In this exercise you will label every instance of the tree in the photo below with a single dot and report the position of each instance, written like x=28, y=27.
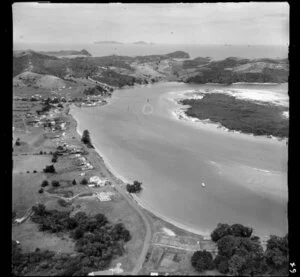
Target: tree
x=221, y=231
x=78, y=234
x=221, y=263
x=84, y=181
x=45, y=183
x=39, y=210
x=238, y=230
x=135, y=187
x=236, y=265
x=86, y=138
x=227, y=246
x=202, y=260
x=49, y=169
x=18, y=143
x=277, y=252
x=54, y=159
x=74, y=182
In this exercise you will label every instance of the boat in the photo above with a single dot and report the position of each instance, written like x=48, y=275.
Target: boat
x=202, y=184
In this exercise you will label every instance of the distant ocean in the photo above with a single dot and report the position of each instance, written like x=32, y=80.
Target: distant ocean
x=216, y=52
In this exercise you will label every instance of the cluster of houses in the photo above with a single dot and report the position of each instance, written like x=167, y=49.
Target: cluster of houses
x=96, y=181
x=92, y=101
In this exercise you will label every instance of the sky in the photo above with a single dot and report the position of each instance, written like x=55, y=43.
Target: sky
x=207, y=23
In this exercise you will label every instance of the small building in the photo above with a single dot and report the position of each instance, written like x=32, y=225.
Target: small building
x=98, y=181
x=103, y=196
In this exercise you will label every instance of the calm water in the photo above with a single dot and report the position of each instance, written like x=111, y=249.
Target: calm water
x=245, y=177
x=213, y=51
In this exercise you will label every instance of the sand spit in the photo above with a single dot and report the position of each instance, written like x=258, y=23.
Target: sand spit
x=245, y=94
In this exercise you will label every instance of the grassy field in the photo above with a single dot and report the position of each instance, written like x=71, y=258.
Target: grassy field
x=27, y=157
x=240, y=115
x=30, y=239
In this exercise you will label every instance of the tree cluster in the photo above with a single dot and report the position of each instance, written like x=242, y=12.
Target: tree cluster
x=135, y=187
x=241, y=254
x=97, y=242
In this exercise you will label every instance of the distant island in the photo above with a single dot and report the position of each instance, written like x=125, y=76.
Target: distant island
x=108, y=42
x=143, y=42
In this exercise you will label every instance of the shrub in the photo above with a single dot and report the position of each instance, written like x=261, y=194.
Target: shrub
x=54, y=159
x=45, y=183
x=63, y=203
x=41, y=152
x=27, y=171
x=18, y=143
x=55, y=183
x=202, y=260
x=84, y=181
x=41, y=190
x=34, y=171
x=49, y=169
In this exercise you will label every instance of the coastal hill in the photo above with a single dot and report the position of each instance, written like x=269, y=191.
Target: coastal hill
x=119, y=71
x=68, y=53
x=36, y=80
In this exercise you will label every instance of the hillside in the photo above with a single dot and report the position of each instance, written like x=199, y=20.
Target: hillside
x=119, y=71
x=68, y=53
x=232, y=70
x=38, y=81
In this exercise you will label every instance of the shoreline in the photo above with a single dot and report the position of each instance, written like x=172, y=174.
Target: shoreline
x=122, y=181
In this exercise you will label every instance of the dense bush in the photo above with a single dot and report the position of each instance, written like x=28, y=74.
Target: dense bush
x=221, y=263
x=240, y=253
x=49, y=169
x=240, y=115
x=202, y=260
x=135, y=187
x=95, y=237
x=236, y=230
x=277, y=253
x=97, y=90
